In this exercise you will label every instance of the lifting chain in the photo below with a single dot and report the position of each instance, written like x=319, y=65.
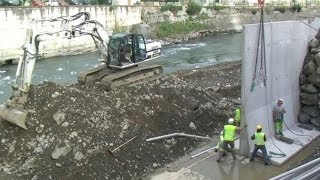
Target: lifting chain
x=261, y=47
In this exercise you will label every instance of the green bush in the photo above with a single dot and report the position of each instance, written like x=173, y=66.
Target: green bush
x=170, y=7
x=202, y=16
x=281, y=9
x=216, y=7
x=193, y=8
x=254, y=10
x=167, y=29
x=296, y=8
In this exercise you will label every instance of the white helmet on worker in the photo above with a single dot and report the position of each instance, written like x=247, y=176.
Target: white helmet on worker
x=280, y=100
x=230, y=121
x=259, y=126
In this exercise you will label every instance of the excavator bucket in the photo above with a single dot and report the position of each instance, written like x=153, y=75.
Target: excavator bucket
x=14, y=116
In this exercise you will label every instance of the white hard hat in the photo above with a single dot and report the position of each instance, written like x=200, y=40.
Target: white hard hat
x=230, y=121
x=280, y=100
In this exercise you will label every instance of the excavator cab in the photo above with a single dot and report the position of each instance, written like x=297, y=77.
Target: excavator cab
x=128, y=49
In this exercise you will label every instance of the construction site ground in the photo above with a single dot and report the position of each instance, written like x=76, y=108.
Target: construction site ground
x=71, y=128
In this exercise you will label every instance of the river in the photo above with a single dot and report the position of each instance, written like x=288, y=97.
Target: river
x=197, y=53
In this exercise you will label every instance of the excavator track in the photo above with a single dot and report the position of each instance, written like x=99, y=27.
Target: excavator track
x=109, y=78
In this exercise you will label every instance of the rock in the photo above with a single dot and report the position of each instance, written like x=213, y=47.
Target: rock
x=207, y=106
x=38, y=150
x=125, y=127
x=58, y=164
x=309, y=88
x=192, y=126
x=78, y=156
x=59, y=117
x=302, y=79
x=3, y=141
x=55, y=95
x=315, y=121
x=60, y=151
x=73, y=134
x=40, y=128
x=309, y=68
x=317, y=59
x=154, y=165
x=314, y=43
x=65, y=124
x=312, y=111
x=309, y=99
x=147, y=97
x=304, y=118
x=27, y=165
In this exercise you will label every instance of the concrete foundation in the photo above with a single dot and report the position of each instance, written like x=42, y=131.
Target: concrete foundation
x=286, y=46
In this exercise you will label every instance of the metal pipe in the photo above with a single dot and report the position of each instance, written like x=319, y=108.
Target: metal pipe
x=196, y=155
x=177, y=134
x=308, y=174
x=297, y=169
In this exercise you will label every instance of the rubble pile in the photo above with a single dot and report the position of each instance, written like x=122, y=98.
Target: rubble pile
x=72, y=129
x=310, y=85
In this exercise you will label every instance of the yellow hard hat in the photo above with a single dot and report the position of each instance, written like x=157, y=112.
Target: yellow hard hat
x=259, y=126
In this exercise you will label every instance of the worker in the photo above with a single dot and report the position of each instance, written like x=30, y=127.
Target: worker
x=278, y=113
x=237, y=116
x=260, y=139
x=229, y=132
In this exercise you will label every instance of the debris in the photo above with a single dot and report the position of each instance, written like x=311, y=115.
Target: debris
x=78, y=156
x=60, y=151
x=59, y=117
x=114, y=150
x=192, y=126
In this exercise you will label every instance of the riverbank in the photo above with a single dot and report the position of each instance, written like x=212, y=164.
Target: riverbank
x=165, y=26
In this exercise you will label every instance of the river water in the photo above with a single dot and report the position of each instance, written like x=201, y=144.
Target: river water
x=192, y=54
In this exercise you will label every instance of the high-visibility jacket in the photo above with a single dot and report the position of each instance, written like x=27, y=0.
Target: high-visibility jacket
x=259, y=138
x=237, y=115
x=229, y=132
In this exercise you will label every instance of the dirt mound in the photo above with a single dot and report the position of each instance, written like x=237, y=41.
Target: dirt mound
x=71, y=128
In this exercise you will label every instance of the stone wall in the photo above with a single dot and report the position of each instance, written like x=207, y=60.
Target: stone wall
x=15, y=20
x=310, y=85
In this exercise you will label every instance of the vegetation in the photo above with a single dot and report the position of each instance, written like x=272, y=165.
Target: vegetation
x=296, y=8
x=254, y=10
x=117, y=28
x=281, y=9
x=171, y=7
x=216, y=7
x=193, y=8
x=202, y=16
x=167, y=29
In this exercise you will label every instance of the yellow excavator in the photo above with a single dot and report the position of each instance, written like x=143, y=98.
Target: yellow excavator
x=121, y=55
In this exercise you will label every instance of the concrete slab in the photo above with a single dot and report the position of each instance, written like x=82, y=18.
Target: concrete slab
x=275, y=147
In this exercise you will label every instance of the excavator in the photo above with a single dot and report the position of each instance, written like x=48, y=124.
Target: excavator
x=121, y=54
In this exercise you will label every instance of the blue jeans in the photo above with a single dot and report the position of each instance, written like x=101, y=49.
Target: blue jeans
x=264, y=152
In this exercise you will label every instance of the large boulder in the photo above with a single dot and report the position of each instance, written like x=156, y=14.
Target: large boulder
x=309, y=99
x=317, y=58
x=303, y=79
x=309, y=68
x=314, y=79
x=312, y=111
x=304, y=118
x=315, y=121
x=314, y=43
x=309, y=88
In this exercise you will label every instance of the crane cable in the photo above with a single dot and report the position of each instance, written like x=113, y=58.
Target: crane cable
x=261, y=47
x=263, y=75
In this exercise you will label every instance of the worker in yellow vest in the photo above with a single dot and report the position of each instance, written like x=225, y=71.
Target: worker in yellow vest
x=229, y=132
x=259, y=137
x=237, y=116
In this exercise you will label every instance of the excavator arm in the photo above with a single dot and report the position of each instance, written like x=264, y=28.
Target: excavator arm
x=65, y=27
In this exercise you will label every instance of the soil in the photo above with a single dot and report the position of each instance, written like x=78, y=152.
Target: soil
x=71, y=128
